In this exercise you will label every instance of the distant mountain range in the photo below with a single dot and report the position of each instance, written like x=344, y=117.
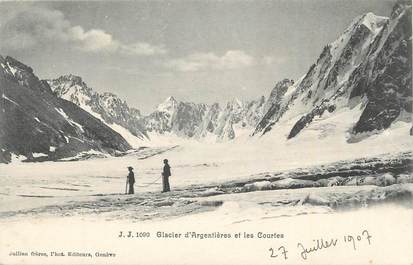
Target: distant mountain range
x=368, y=66
x=183, y=119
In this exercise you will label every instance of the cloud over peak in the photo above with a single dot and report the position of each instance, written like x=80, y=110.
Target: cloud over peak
x=39, y=27
x=232, y=59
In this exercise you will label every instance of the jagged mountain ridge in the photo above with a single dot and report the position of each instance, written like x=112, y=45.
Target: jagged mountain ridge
x=190, y=120
x=34, y=121
x=106, y=106
x=370, y=64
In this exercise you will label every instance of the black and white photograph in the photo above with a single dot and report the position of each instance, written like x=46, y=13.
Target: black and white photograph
x=206, y=132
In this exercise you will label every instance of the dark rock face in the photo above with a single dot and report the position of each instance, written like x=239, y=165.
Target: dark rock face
x=23, y=75
x=210, y=121
x=389, y=91
x=158, y=122
x=272, y=108
x=34, y=120
x=255, y=110
x=187, y=118
x=107, y=105
x=307, y=119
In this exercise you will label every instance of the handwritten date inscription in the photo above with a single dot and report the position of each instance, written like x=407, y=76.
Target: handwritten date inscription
x=305, y=250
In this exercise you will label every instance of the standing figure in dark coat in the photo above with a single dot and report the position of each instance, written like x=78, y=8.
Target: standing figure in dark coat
x=165, y=176
x=131, y=180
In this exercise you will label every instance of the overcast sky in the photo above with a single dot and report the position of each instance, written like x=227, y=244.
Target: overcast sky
x=201, y=51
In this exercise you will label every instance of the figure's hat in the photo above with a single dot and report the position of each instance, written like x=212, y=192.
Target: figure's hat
x=130, y=167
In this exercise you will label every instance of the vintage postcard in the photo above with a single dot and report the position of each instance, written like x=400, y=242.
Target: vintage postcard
x=206, y=132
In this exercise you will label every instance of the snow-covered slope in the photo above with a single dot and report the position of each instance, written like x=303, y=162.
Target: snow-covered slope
x=368, y=67
x=106, y=106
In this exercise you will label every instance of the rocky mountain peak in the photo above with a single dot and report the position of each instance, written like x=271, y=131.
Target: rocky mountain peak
x=106, y=106
x=169, y=105
x=72, y=80
x=235, y=104
x=110, y=97
x=277, y=92
x=23, y=74
x=72, y=88
x=13, y=63
x=372, y=21
x=170, y=99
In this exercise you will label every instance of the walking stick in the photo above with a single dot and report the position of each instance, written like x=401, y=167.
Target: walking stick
x=126, y=188
x=163, y=183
